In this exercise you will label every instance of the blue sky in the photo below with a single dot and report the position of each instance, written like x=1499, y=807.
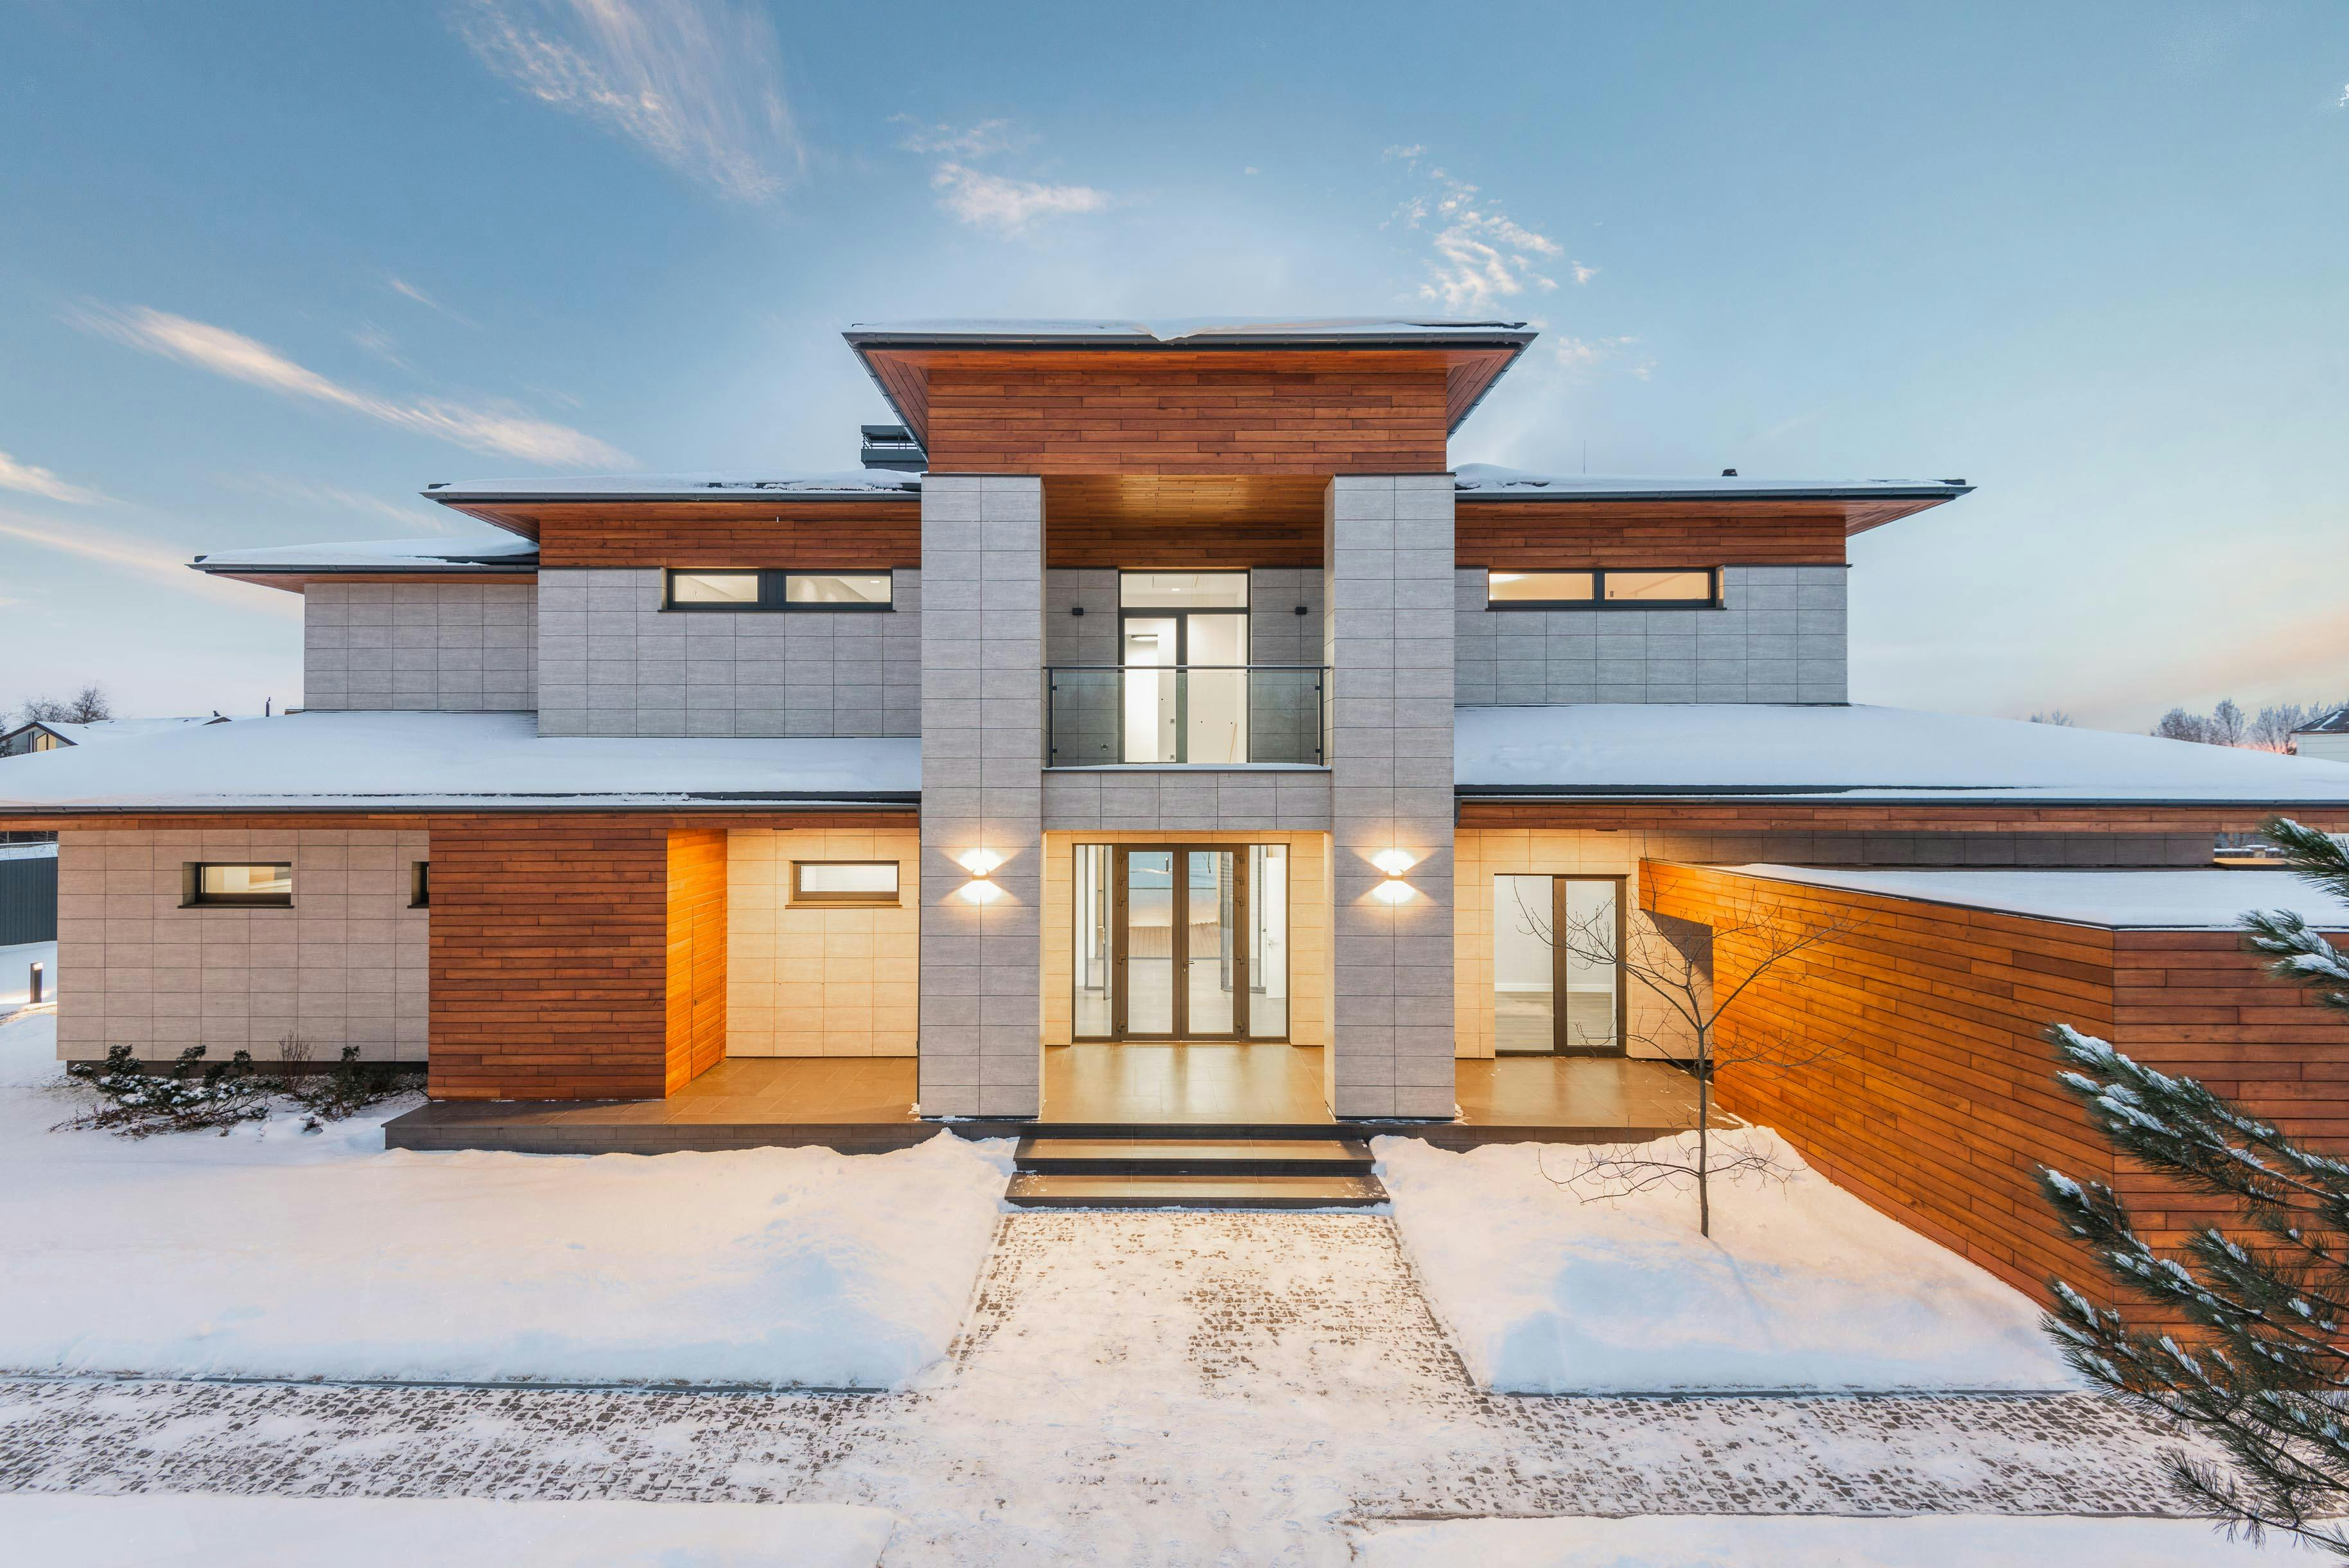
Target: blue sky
x=266, y=270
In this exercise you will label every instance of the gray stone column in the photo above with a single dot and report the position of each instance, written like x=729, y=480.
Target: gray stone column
x=982, y=789
x=1387, y=635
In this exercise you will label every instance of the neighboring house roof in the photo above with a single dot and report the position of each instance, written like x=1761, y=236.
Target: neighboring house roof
x=375, y=761
x=1760, y=750
x=2333, y=723
x=295, y=565
x=104, y=731
x=1485, y=481
x=2164, y=900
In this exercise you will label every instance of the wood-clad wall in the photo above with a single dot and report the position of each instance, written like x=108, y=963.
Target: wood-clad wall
x=1566, y=536
x=814, y=535
x=1938, y=1104
x=696, y=994
x=550, y=948
x=1172, y=413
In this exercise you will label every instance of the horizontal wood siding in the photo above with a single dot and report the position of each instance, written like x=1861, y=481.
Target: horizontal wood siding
x=1563, y=536
x=696, y=953
x=1305, y=413
x=1227, y=523
x=550, y=943
x=860, y=535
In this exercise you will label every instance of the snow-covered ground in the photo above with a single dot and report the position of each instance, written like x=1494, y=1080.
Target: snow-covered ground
x=16, y=972
x=200, y=1530
x=269, y=1253
x=1802, y=1285
x=1685, y=1541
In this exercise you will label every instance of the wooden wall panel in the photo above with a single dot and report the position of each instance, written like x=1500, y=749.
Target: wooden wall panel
x=1939, y=1104
x=1564, y=536
x=1173, y=413
x=696, y=978
x=866, y=535
x=550, y=944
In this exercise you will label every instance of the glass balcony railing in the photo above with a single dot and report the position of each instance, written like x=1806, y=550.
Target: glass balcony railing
x=1195, y=715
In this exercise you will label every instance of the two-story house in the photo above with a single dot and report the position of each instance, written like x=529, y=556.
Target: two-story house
x=1158, y=731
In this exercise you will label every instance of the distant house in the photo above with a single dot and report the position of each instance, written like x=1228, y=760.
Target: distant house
x=2327, y=739
x=48, y=735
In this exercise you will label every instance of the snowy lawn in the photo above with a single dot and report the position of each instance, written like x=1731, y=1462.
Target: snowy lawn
x=15, y=973
x=272, y=1253
x=1801, y=1287
x=1731, y=1540
x=168, y=1530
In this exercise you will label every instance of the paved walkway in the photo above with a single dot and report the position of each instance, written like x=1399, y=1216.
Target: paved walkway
x=1191, y=1388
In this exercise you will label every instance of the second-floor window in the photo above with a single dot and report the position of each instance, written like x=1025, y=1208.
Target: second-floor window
x=1612, y=588
x=772, y=589
x=205, y=883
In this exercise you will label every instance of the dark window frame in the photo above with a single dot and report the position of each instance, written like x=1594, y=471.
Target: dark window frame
x=192, y=894
x=802, y=900
x=1599, y=600
x=419, y=884
x=774, y=585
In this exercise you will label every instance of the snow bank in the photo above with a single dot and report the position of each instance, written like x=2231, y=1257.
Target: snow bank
x=2185, y=900
x=17, y=975
x=1801, y=1287
x=440, y=552
x=161, y=1530
x=271, y=1253
x=1718, y=1541
x=1483, y=479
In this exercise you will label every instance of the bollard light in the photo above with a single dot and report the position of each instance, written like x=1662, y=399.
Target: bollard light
x=36, y=983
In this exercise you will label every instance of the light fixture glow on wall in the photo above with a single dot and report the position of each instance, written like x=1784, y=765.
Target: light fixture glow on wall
x=980, y=864
x=1395, y=862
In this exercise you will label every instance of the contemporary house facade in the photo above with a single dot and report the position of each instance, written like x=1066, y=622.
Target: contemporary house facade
x=1153, y=689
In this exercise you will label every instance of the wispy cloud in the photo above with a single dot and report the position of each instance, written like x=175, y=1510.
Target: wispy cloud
x=403, y=287
x=31, y=481
x=420, y=515
x=148, y=559
x=696, y=83
x=1588, y=354
x=985, y=138
x=1482, y=255
x=1008, y=206
x=241, y=358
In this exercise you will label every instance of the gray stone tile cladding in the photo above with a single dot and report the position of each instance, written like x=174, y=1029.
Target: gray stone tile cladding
x=432, y=647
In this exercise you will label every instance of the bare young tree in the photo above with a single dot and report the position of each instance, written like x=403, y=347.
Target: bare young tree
x=2054, y=716
x=86, y=705
x=1673, y=960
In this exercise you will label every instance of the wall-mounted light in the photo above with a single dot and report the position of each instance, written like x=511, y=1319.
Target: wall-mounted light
x=980, y=864
x=1393, y=862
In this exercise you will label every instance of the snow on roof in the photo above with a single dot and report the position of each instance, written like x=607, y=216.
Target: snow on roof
x=106, y=731
x=2333, y=723
x=658, y=487
x=438, y=554
x=1487, y=481
x=381, y=760
x=2192, y=900
x=1183, y=329
x=1869, y=753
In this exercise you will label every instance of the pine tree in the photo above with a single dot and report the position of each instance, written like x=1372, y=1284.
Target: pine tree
x=2266, y=1378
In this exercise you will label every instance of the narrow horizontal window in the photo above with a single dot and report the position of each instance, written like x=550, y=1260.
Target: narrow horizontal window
x=420, y=886
x=1611, y=588
x=1674, y=587
x=735, y=590
x=865, y=590
x=262, y=885
x=771, y=588
x=844, y=882
x=1540, y=587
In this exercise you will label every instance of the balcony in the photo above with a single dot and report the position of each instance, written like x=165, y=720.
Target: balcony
x=1198, y=716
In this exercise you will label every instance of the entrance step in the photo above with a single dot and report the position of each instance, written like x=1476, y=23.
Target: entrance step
x=1177, y=1156
x=1031, y=1190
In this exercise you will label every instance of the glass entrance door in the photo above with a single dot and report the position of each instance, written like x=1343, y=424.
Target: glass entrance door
x=1557, y=945
x=1181, y=941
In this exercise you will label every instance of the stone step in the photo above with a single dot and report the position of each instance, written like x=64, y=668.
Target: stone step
x=1184, y=1156
x=1033, y=1190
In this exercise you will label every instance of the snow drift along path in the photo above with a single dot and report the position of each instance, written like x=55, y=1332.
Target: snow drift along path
x=198, y=1530
x=272, y=1253
x=1959, y=1540
x=1801, y=1287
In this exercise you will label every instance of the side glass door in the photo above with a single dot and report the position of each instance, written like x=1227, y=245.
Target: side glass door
x=1146, y=935
x=1557, y=986
x=1215, y=962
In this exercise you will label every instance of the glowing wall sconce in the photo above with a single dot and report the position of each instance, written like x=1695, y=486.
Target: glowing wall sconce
x=1395, y=862
x=980, y=864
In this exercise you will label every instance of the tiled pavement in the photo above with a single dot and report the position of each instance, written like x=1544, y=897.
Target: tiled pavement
x=1129, y=1387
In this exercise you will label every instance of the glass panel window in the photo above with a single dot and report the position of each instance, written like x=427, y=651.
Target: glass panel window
x=1095, y=974
x=420, y=886
x=866, y=588
x=1539, y=587
x=1267, y=1008
x=265, y=883
x=844, y=882
x=1684, y=587
x=736, y=590
x=1184, y=591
